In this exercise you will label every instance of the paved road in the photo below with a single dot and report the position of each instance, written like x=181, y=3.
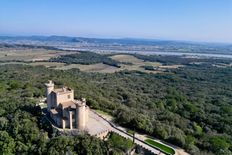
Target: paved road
x=138, y=141
x=116, y=129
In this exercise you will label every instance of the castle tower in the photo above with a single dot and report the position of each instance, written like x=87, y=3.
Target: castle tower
x=50, y=88
x=81, y=115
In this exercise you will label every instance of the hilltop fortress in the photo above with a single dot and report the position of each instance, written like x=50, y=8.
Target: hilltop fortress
x=65, y=111
x=74, y=117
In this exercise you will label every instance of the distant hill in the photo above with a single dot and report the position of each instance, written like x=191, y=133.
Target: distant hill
x=126, y=44
x=132, y=41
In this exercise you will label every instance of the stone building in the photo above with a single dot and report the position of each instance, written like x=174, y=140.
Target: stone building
x=66, y=112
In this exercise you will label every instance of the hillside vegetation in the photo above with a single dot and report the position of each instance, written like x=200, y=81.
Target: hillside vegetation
x=189, y=107
x=23, y=130
x=85, y=58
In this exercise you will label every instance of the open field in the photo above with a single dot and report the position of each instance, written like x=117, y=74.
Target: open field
x=36, y=57
x=223, y=65
x=101, y=68
x=46, y=64
x=29, y=54
x=133, y=64
x=135, y=61
x=13, y=63
x=171, y=66
x=137, y=64
x=127, y=58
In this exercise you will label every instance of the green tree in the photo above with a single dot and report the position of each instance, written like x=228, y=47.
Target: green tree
x=7, y=144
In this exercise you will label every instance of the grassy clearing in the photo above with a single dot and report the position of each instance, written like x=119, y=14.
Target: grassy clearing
x=171, y=66
x=126, y=58
x=101, y=68
x=136, y=64
x=46, y=64
x=135, y=61
x=160, y=146
x=35, y=55
x=29, y=54
x=12, y=63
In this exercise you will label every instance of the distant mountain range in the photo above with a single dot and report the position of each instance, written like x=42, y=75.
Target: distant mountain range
x=123, y=44
x=108, y=40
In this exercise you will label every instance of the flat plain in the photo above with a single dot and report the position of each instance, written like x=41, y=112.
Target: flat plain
x=29, y=54
x=40, y=57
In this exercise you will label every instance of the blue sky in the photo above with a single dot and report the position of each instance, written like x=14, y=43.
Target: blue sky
x=196, y=20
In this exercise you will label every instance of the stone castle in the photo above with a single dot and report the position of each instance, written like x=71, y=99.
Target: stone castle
x=66, y=112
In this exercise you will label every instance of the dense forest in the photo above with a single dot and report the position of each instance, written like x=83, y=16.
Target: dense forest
x=86, y=58
x=180, y=60
x=190, y=107
x=23, y=130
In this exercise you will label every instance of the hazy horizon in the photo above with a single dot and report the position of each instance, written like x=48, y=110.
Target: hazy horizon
x=121, y=38
x=195, y=20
